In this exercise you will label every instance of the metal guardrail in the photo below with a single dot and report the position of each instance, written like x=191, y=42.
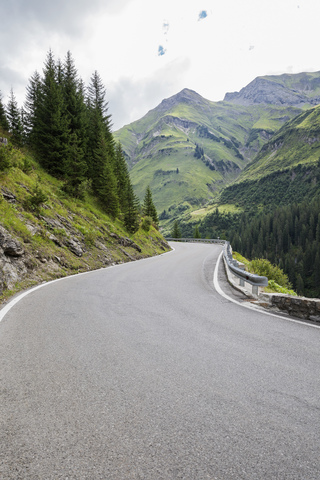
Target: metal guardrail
x=251, y=278
x=197, y=240
x=232, y=264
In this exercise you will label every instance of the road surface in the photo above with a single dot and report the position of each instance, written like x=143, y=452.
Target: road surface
x=143, y=371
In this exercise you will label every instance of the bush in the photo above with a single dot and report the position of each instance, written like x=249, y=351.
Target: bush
x=35, y=200
x=146, y=223
x=5, y=158
x=275, y=287
x=27, y=165
x=263, y=267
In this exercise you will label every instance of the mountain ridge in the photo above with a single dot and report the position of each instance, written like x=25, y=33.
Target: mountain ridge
x=290, y=89
x=209, y=143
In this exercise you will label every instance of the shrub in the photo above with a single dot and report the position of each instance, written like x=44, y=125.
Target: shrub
x=275, y=287
x=261, y=266
x=27, y=165
x=34, y=201
x=146, y=223
x=5, y=158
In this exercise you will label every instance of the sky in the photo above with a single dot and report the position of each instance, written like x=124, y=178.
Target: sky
x=148, y=50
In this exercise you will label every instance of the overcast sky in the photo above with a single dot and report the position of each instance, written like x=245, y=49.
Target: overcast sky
x=147, y=50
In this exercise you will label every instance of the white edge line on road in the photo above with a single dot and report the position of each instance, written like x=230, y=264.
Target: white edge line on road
x=249, y=306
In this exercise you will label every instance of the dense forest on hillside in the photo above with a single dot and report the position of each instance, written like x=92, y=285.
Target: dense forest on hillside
x=288, y=236
x=68, y=129
x=281, y=187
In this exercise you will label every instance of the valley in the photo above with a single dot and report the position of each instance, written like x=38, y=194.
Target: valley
x=188, y=149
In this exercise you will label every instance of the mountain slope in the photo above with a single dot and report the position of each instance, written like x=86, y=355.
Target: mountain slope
x=188, y=148
x=296, y=89
x=45, y=234
x=287, y=167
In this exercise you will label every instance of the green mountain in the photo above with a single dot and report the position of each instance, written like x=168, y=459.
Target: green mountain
x=287, y=168
x=189, y=148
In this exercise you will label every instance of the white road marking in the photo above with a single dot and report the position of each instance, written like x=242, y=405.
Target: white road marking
x=250, y=306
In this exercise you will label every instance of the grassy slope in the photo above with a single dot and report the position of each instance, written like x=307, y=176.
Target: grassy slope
x=298, y=142
x=99, y=236
x=165, y=138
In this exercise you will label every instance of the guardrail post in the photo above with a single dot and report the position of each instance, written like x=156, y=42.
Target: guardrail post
x=241, y=282
x=255, y=289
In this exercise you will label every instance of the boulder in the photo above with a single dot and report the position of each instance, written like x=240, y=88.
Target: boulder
x=9, y=245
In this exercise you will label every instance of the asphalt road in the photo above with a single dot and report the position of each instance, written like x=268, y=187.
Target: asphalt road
x=143, y=371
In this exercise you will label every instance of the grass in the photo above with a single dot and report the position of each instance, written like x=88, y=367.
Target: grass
x=166, y=137
x=47, y=255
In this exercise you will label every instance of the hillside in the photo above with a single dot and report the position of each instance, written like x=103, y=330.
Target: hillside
x=46, y=234
x=298, y=90
x=287, y=167
x=188, y=148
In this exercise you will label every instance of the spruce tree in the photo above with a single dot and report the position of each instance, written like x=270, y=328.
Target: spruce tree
x=176, y=232
x=75, y=163
x=122, y=177
x=105, y=185
x=131, y=210
x=53, y=124
x=14, y=119
x=196, y=233
x=76, y=168
x=98, y=130
x=3, y=117
x=149, y=208
x=31, y=108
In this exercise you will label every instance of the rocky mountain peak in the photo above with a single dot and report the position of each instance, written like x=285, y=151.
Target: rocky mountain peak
x=186, y=96
x=293, y=90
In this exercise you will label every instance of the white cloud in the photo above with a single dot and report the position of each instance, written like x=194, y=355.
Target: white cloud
x=121, y=39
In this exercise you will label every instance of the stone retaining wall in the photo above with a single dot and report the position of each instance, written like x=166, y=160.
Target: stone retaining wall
x=301, y=307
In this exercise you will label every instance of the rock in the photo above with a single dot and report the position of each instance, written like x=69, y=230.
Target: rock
x=3, y=140
x=55, y=240
x=53, y=223
x=33, y=229
x=269, y=91
x=126, y=242
x=10, y=247
x=74, y=246
x=8, y=196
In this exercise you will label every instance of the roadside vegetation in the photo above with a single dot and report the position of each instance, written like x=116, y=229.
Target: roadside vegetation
x=66, y=197
x=278, y=281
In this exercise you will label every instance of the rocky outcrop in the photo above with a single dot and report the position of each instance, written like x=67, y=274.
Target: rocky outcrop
x=273, y=92
x=9, y=246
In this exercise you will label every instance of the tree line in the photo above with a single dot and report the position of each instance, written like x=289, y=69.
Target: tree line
x=288, y=236
x=68, y=128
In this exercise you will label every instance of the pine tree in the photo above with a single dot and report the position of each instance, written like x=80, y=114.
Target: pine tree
x=176, y=232
x=31, y=107
x=131, y=210
x=122, y=177
x=105, y=185
x=52, y=123
x=14, y=119
x=148, y=206
x=98, y=128
x=76, y=168
x=75, y=163
x=3, y=117
x=196, y=233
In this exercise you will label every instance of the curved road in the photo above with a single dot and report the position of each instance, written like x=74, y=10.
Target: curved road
x=143, y=371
